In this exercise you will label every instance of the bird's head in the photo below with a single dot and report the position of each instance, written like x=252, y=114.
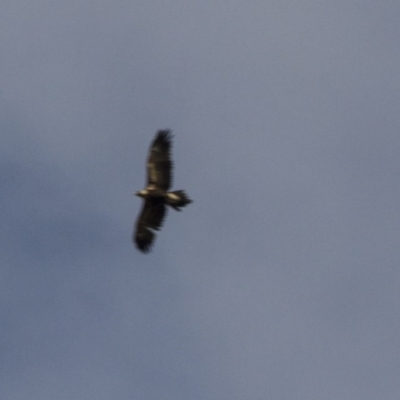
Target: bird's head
x=141, y=193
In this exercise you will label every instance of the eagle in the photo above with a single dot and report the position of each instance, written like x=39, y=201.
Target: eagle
x=156, y=195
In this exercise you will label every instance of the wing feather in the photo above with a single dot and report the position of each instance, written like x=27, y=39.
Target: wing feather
x=159, y=163
x=150, y=220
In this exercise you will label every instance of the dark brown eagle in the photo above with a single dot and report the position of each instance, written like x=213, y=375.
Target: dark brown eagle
x=156, y=196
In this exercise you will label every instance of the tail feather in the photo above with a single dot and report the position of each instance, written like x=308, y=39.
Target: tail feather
x=178, y=199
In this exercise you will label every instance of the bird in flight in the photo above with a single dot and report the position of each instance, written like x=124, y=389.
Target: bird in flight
x=156, y=195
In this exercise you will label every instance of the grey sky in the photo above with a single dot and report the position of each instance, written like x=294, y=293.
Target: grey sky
x=281, y=281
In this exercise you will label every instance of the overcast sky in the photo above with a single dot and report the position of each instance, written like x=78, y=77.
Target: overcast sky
x=281, y=281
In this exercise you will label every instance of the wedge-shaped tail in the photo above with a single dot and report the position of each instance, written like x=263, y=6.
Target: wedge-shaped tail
x=178, y=199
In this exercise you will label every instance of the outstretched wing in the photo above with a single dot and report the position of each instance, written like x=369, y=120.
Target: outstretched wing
x=159, y=163
x=150, y=219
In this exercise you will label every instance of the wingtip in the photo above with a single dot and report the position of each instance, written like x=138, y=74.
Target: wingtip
x=143, y=247
x=164, y=135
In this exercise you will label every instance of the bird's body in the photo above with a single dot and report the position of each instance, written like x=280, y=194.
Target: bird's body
x=156, y=196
